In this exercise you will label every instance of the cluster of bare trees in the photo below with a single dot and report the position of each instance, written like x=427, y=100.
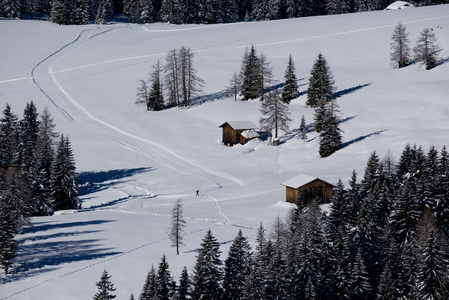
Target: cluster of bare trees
x=174, y=84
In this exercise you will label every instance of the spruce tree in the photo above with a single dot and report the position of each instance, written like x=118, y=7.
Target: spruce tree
x=250, y=75
x=275, y=115
x=11, y=8
x=8, y=231
x=155, y=94
x=63, y=186
x=237, y=267
x=432, y=279
x=235, y=86
x=105, y=288
x=321, y=83
x=303, y=129
x=29, y=130
x=290, y=90
x=43, y=166
x=399, y=48
x=266, y=75
x=165, y=285
x=426, y=49
x=8, y=133
x=184, y=285
x=149, y=290
x=330, y=132
x=207, y=272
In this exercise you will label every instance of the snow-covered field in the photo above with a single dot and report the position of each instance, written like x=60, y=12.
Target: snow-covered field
x=134, y=165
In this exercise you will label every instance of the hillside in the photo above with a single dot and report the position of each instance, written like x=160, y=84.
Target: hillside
x=133, y=165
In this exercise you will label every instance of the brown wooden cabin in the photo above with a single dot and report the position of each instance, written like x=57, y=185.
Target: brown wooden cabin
x=308, y=188
x=238, y=132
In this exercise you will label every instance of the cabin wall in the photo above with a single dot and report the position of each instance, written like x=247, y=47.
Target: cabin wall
x=229, y=135
x=291, y=195
x=316, y=188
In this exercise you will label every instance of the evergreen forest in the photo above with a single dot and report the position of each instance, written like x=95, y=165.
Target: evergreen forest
x=79, y=12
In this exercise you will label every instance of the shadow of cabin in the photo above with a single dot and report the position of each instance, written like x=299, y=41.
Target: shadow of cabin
x=238, y=132
x=305, y=188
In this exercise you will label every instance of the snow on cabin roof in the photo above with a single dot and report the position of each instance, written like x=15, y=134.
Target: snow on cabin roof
x=399, y=5
x=300, y=180
x=250, y=133
x=240, y=125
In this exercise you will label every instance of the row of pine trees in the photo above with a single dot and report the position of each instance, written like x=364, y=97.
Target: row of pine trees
x=385, y=237
x=37, y=174
x=186, y=11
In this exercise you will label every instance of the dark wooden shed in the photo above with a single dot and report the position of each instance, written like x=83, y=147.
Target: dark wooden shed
x=238, y=132
x=309, y=188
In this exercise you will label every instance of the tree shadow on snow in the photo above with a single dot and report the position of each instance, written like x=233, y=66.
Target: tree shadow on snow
x=361, y=138
x=48, y=253
x=350, y=90
x=95, y=181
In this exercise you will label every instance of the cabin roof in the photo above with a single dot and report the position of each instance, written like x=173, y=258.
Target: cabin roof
x=250, y=133
x=301, y=180
x=240, y=125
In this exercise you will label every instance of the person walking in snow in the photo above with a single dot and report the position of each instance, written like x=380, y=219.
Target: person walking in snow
x=197, y=192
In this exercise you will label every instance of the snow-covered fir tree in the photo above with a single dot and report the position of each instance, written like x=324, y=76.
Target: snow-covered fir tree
x=105, y=287
x=8, y=137
x=43, y=165
x=11, y=8
x=426, y=49
x=8, y=231
x=29, y=129
x=399, y=48
x=330, y=132
x=155, y=93
x=303, y=129
x=61, y=12
x=237, y=267
x=321, y=83
x=290, y=90
x=275, y=114
x=165, y=285
x=171, y=12
x=149, y=290
x=184, y=287
x=250, y=75
x=80, y=12
x=207, y=272
x=63, y=186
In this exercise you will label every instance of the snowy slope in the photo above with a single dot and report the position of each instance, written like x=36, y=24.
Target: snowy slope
x=134, y=164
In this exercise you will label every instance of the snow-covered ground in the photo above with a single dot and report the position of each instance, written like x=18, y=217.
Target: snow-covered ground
x=134, y=165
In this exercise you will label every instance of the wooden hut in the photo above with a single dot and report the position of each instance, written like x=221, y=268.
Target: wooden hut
x=238, y=132
x=308, y=188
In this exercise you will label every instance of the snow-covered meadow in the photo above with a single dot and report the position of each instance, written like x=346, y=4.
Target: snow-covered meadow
x=134, y=165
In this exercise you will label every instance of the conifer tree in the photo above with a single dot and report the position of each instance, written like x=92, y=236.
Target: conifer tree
x=237, y=267
x=330, y=132
x=105, y=288
x=303, y=129
x=8, y=133
x=149, y=290
x=275, y=115
x=165, y=285
x=359, y=282
x=63, y=186
x=29, y=129
x=43, y=166
x=61, y=12
x=156, y=95
x=207, y=272
x=290, y=90
x=321, y=83
x=184, y=285
x=433, y=272
x=426, y=49
x=399, y=48
x=80, y=12
x=177, y=226
x=250, y=75
x=8, y=231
